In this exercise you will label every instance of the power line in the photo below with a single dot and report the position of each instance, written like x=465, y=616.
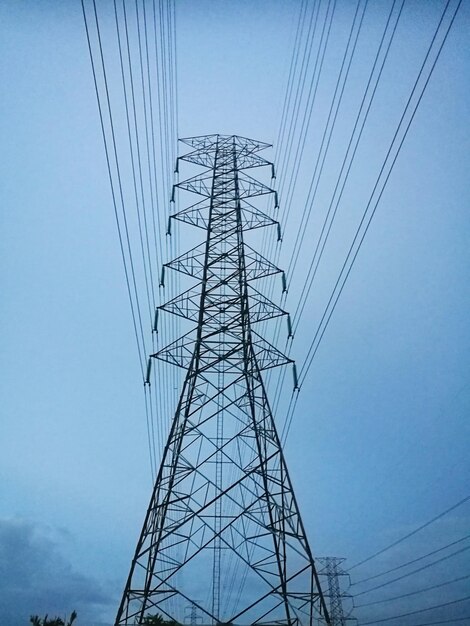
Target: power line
x=429, y=608
x=420, y=558
x=445, y=621
x=292, y=68
x=284, y=163
x=415, y=571
x=135, y=308
x=352, y=254
x=150, y=430
x=342, y=78
x=282, y=157
x=164, y=379
x=412, y=533
x=413, y=593
x=152, y=127
x=139, y=108
x=327, y=130
x=148, y=283
x=307, y=113
x=353, y=144
x=310, y=277
x=314, y=266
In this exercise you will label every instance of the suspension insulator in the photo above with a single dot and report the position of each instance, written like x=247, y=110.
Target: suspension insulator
x=172, y=199
x=289, y=327
x=284, y=282
x=276, y=200
x=294, y=373
x=155, y=321
x=177, y=166
x=273, y=171
x=168, y=228
x=279, y=233
x=149, y=369
x=162, y=277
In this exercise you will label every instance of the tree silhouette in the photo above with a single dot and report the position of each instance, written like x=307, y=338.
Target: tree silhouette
x=158, y=620
x=54, y=621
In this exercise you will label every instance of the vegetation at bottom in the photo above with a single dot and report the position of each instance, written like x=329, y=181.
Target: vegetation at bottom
x=53, y=621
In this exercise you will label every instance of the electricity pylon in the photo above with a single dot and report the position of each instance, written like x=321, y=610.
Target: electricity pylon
x=223, y=522
x=332, y=570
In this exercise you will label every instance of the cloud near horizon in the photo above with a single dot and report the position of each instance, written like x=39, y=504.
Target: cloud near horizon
x=36, y=578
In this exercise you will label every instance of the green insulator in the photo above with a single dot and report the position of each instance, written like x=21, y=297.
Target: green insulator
x=149, y=369
x=289, y=326
x=294, y=373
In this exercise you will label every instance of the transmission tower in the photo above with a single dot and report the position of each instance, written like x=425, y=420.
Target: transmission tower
x=223, y=522
x=332, y=570
x=191, y=616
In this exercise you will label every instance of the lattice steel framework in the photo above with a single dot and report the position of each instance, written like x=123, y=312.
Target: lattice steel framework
x=332, y=570
x=223, y=523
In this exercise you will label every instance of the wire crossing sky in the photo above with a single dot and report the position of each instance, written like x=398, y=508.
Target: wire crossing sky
x=366, y=105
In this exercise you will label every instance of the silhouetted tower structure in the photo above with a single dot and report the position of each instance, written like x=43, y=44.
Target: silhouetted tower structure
x=332, y=570
x=223, y=522
x=191, y=616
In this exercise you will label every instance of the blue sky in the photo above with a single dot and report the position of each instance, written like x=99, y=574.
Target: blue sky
x=379, y=441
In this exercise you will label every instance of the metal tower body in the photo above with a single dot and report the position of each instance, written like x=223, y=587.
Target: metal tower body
x=223, y=523
x=332, y=570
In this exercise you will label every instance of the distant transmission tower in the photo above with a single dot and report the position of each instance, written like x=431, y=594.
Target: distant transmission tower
x=223, y=523
x=191, y=616
x=332, y=570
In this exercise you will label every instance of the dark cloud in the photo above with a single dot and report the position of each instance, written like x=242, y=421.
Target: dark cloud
x=35, y=577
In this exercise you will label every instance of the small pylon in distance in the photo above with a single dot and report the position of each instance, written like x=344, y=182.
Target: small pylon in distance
x=331, y=567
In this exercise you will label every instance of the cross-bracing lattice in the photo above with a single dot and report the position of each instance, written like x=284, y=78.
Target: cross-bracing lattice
x=223, y=531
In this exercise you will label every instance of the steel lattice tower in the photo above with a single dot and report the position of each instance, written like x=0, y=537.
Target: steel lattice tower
x=223, y=522
x=332, y=570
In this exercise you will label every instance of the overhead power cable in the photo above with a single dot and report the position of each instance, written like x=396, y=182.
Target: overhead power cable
x=150, y=430
x=335, y=104
x=377, y=191
x=412, y=533
x=416, y=560
x=413, y=593
x=415, y=571
x=354, y=141
x=146, y=259
x=307, y=113
x=152, y=162
x=385, y=43
x=300, y=141
x=429, y=608
x=135, y=306
x=328, y=130
x=133, y=169
x=286, y=108
x=290, y=130
x=396, y=144
x=445, y=621
x=292, y=69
